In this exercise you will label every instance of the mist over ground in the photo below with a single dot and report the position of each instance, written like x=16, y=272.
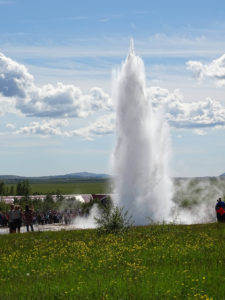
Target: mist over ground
x=195, y=199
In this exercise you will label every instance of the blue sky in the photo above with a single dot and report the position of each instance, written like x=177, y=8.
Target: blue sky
x=48, y=128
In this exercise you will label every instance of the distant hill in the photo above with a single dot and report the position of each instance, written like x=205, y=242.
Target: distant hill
x=222, y=174
x=83, y=175
x=56, y=178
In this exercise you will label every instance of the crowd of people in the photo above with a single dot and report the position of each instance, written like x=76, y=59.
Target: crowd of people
x=53, y=216
x=16, y=217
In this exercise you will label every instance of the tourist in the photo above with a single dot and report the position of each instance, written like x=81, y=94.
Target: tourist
x=220, y=210
x=17, y=218
x=11, y=218
x=220, y=203
x=28, y=218
x=1, y=217
x=4, y=218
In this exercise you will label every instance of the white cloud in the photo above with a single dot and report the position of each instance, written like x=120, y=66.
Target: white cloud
x=10, y=126
x=199, y=132
x=45, y=128
x=103, y=126
x=187, y=115
x=15, y=81
x=7, y=105
x=19, y=93
x=180, y=114
x=213, y=70
x=63, y=101
x=58, y=101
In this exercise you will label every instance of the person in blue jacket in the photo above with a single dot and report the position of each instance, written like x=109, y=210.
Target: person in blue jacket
x=220, y=210
x=220, y=203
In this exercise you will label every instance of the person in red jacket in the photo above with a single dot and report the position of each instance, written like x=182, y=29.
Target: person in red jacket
x=220, y=210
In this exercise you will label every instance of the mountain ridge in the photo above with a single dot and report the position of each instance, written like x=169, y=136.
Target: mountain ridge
x=65, y=177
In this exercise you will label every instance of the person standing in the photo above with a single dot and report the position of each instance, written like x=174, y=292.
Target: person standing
x=28, y=218
x=17, y=218
x=11, y=219
x=1, y=217
x=220, y=210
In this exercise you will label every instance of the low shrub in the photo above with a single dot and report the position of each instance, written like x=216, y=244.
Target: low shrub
x=114, y=220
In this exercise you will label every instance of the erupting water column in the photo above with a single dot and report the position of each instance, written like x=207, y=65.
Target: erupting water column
x=141, y=156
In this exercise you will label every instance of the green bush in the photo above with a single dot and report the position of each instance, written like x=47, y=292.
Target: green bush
x=114, y=220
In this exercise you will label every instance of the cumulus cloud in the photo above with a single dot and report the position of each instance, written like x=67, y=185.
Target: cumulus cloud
x=214, y=70
x=19, y=93
x=15, y=80
x=103, y=126
x=10, y=125
x=60, y=101
x=7, y=106
x=63, y=101
x=199, y=132
x=197, y=116
x=180, y=114
x=45, y=128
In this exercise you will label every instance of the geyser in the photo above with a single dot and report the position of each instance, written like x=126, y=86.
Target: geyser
x=142, y=153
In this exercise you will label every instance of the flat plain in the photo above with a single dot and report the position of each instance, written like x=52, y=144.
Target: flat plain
x=74, y=187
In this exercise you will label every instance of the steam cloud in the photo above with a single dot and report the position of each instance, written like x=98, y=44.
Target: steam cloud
x=88, y=221
x=196, y=198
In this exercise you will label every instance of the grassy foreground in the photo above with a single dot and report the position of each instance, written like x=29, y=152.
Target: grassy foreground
x=152, y=262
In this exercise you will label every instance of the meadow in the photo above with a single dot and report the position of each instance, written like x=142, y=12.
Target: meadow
x=65, y=188
x=149, y=262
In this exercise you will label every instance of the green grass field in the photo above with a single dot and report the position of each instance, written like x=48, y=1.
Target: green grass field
x=76, y=187
x=152, y=262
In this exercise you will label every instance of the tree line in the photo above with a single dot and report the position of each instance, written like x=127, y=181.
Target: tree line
x=22, y=189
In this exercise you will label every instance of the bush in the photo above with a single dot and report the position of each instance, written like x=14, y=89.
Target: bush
x=114, y=220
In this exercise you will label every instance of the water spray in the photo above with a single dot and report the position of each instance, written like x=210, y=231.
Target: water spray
x=141, y=157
